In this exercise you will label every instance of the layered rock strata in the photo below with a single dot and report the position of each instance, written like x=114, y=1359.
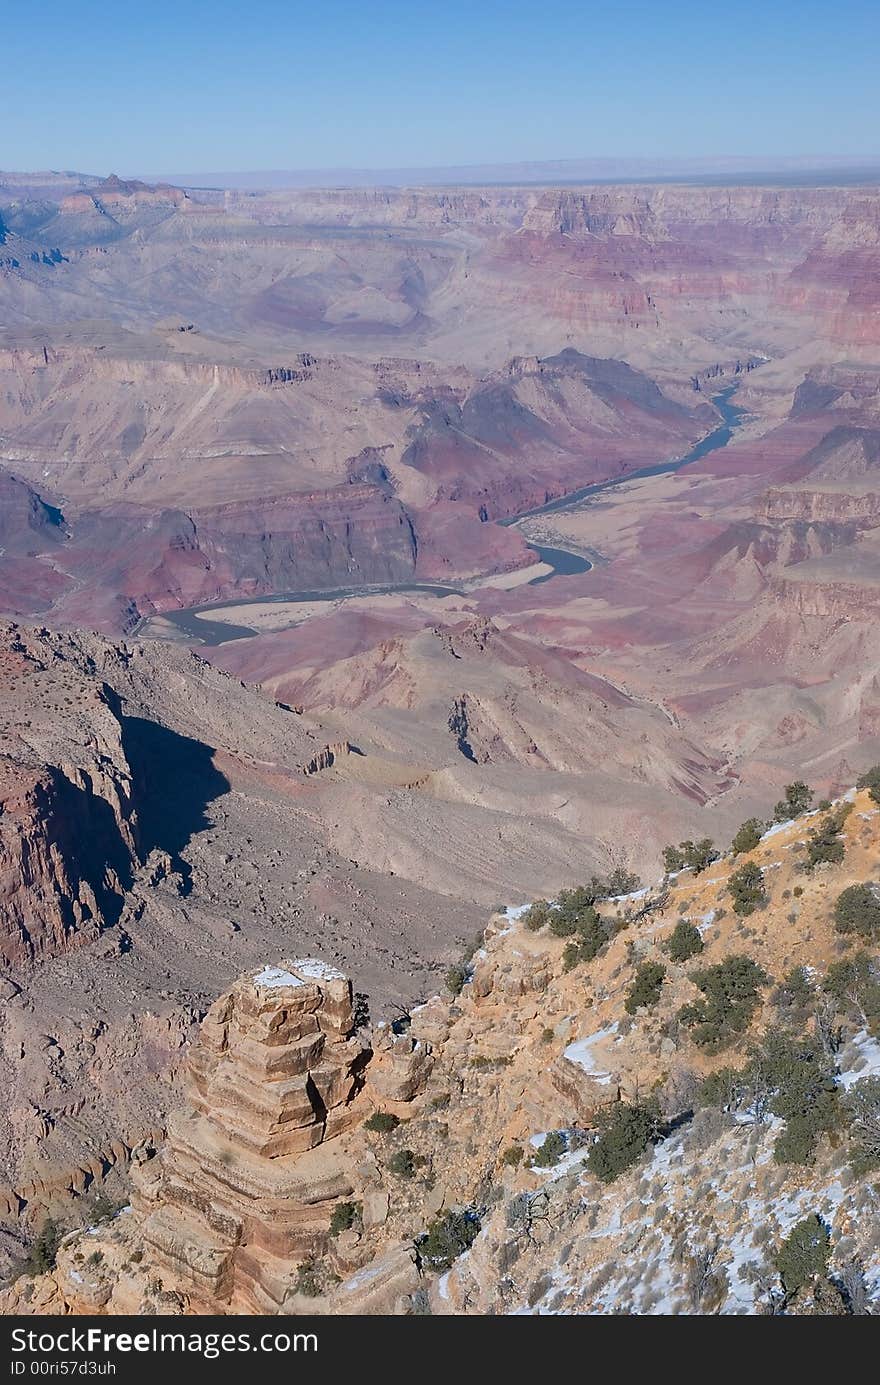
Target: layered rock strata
x=251, y=1171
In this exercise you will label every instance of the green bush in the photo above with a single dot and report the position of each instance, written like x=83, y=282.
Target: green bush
x=870, y=780
x=746, y=886
x=512, y=1156
x=787, y=1076
x=747, y=836
x=644, y=993
x=804, y=1254
x=673, y=859
x=862, y=1105
x=625, y=1131
x=621, y=881
x=455, y=978
x=798, y=797
x=550, y=1151
x=730, y=999
x=795, y=991
x=537, y=915
x=695, y=856
x=854, y=986
x=448, y=1237
x=402, y=1163
x=589, y=934
x=313, y=1279
x=345, y=1216
x=562, y=925
x=42, y=1254
x=684, y=942
x=571, y=955
x=800, y=1078
x=858, y=911
x=824, y=846
x=382, y=1122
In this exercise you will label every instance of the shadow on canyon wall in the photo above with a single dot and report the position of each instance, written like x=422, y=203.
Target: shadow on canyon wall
x=174, y=781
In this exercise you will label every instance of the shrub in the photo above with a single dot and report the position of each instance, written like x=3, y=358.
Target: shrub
x=571, y=955
x=823, y=844
x=788, y=1077
x=625, y=1131
x=858, y=911
x=747, y=836
x=804, y=1254
x=684, y=942
x=854, y=986
x=547, y=1035
x=536, y=915
x=562, y=925
x=382, y=1122
x=870, y=780
x=800, y=1079
x=862, y=1105
x=550, y=1151
x=673, y=859
x=104, y=1207
x=798, y=797
x=512, y=1156
x=730, y=999
x=746, y=886
x=345, y=1216
x=455, y=978
x=696, y=856
x=313, y=1279
x=589, y=934
x=572, y=903
x=448, y=1237
x=402, y=1163
x=621, y=881
x=644, y=993
x=42, y=1254
x=795, y=991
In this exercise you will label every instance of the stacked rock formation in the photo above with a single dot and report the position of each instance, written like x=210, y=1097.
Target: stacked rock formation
x=242, y=1195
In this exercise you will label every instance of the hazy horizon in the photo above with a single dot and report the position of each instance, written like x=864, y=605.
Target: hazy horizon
x=382, y=88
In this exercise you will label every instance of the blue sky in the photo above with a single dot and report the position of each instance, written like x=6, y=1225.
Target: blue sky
x=162, y=86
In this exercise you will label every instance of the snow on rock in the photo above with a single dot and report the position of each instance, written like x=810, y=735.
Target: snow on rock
x=776, y=828
x=316, y=970
x=867, y=1056
x=518, y=911
x=271, y=977
x=622, y=898
x=581, y=1053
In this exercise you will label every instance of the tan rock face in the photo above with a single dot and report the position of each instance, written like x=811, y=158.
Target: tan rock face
x=243, y=1196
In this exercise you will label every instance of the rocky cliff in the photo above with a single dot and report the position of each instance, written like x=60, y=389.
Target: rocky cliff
x=573, y=1131
x=68, y=825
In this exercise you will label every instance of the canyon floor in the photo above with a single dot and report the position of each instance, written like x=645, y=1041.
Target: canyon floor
x=370, y=557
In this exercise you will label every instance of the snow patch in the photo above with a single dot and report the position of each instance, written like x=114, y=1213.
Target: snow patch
x=621, y=898
x=271, y=977
x=580, y=1053
x=316, y=970
x=866, y=1049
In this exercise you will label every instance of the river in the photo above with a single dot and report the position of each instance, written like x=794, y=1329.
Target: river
x=196, y=624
